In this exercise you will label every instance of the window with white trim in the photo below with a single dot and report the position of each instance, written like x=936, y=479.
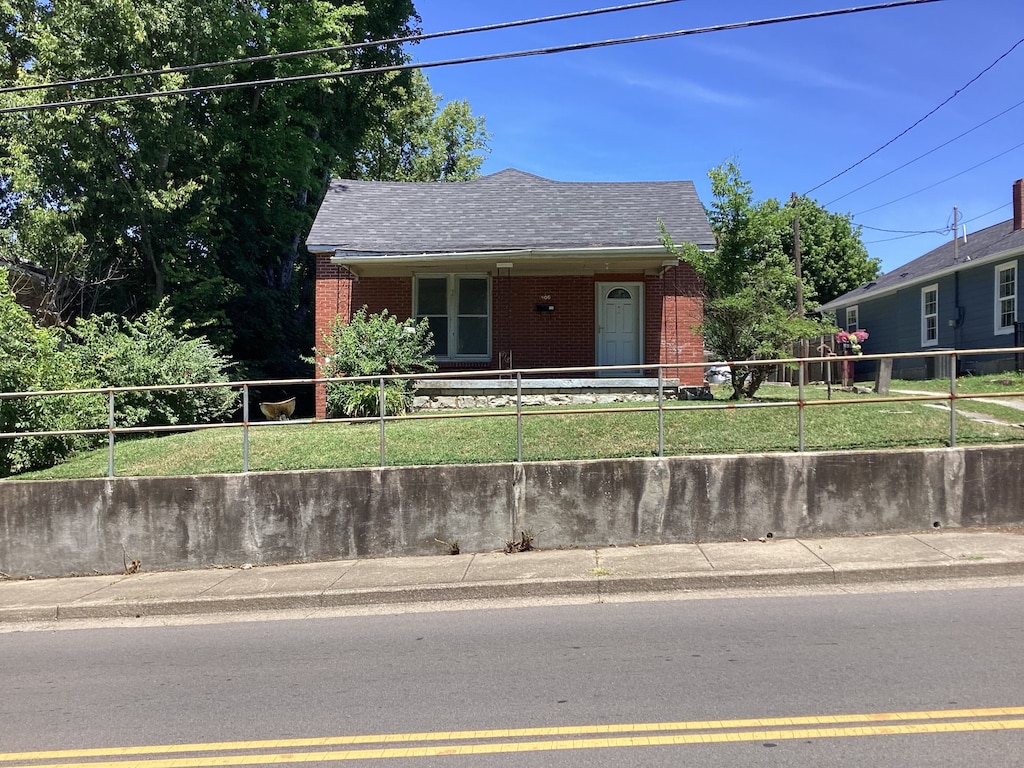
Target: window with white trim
x=930, y=316
x=1006, y=297
x=852, y=318
x=458, y=309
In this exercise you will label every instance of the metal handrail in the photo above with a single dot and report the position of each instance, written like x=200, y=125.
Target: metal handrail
x=111, y=430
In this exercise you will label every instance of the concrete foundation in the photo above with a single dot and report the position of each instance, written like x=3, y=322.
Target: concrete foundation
x=55, y=528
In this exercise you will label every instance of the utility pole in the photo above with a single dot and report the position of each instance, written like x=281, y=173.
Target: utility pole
x=956, y=235
x=796, y=258
x=799, y=276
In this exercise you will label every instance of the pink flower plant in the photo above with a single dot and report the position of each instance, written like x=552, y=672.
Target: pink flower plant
x=853, y=338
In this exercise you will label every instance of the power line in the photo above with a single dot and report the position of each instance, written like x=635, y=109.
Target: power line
x=907, y=233
x=340, y=74
x=335, y=48
x=955, y=93
x=893, y=239
x=987, y=213
x=943, y=181
x=924, y=155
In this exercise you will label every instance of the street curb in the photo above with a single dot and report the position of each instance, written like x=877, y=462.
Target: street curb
x=943, y=570
x=592, y=587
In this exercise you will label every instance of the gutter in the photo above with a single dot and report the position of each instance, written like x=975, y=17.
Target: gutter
x=538, y=254
x=854, y=298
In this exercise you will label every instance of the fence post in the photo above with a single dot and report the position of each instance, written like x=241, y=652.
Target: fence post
x=245, y=428
x=952, y=401
x=519, y=417
x=661, y=413
x=110, y=433
x=883, y=376
x=800, y=405
x=382, y=398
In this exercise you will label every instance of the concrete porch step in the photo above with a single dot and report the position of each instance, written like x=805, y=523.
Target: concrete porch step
x=500, y=393
x=456, y=387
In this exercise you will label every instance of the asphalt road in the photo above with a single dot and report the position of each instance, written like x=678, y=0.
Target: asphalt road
x=637, y=666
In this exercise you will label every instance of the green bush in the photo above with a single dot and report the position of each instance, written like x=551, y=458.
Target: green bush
x=110, y=351
x=372, y=345
x=101, y=351
x=31, y=360
x=362, y=398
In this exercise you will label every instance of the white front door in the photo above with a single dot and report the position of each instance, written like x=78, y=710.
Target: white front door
x=619, y=327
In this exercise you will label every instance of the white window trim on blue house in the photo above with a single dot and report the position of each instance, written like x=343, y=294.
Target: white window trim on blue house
x=852, y=318
x=930, y=319
x=1005, y=304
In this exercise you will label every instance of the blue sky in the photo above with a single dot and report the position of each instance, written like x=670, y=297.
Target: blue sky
x=793, y=103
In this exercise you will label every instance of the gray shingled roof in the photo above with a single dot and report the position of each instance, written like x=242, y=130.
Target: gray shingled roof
x=985, y=243
x=508, y=210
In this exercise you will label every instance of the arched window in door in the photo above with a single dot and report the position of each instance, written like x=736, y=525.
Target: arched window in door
x=619, y=293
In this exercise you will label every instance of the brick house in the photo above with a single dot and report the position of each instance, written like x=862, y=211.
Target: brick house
x=514, y=270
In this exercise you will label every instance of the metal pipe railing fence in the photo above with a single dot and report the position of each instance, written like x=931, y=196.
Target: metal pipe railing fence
x=801, y=366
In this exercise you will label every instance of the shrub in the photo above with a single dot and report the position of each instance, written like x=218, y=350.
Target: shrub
x=31, y=360
x=111, y=351
x=362, y=398
x=101, y=351
x=372, y=345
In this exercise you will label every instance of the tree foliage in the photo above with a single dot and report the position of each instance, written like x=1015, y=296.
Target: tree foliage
x=833, y=258
x=749, y=279
x=422, y=141
x=372, y=345
x=204, y=199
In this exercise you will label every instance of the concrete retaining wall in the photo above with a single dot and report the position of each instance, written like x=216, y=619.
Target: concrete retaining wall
x=53, y=528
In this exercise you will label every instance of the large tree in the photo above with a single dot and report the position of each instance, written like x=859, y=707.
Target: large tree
x=201, y=199
x=833, y=258
x=749, y=279
x=421, y=140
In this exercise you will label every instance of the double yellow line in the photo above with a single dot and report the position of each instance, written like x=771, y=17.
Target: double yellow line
x=391, y=746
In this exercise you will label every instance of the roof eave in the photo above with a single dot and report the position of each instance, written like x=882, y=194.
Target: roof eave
x=348, y=257
x=650, y=259
x=852, y=298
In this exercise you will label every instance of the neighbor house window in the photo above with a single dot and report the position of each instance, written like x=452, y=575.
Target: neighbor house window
x=930, y=316
x=458, y=309
x=852, y=318
x=1006, y=297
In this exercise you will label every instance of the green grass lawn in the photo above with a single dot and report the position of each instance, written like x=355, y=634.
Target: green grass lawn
x=589, y=433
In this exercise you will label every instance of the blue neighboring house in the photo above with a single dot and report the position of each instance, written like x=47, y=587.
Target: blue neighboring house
x=962, y=295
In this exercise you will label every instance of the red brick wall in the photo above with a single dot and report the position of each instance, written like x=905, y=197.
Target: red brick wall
x=333, y=293
x=674, y=310
x=562, y=338
x=379, y=293
x=333, y=297
x=558, y=339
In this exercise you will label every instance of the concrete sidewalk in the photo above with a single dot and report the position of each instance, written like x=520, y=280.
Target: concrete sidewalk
x=579, y=573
